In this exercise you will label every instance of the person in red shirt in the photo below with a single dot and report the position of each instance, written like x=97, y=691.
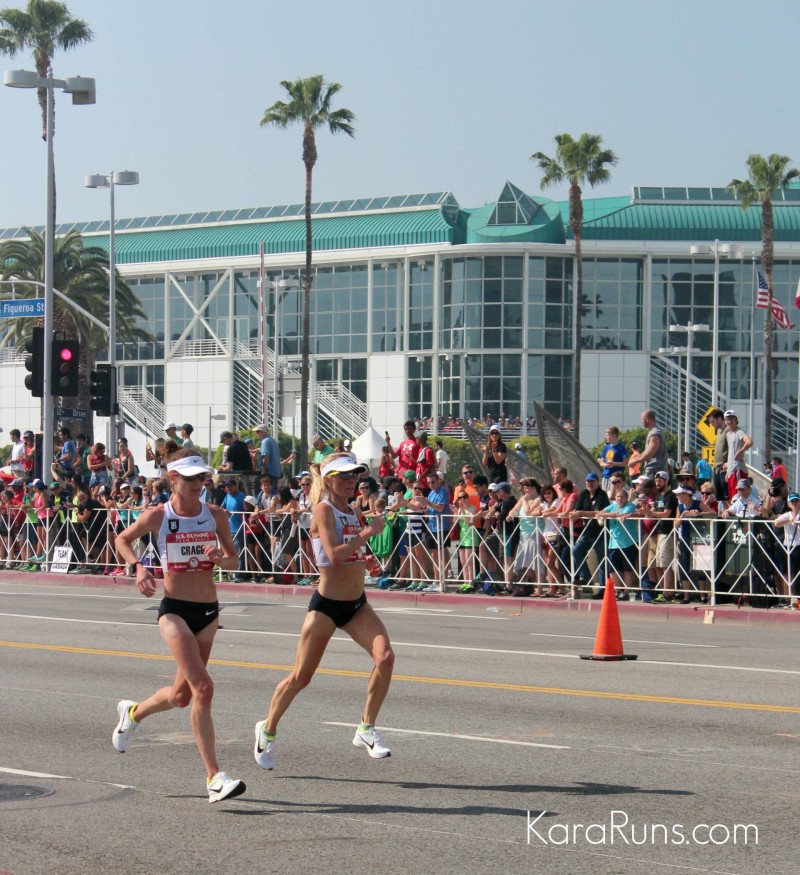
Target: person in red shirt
x=407, y=451
x=779, y=469
x=426, y=460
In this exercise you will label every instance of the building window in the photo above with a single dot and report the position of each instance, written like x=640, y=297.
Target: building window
x=549, y=303
x=150, y=292
x=387, y=307
x=550, y=383
x=339, y=310
x=612, y=303
x=420, y=305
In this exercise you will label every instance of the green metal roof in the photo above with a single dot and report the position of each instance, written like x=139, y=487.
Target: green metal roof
x=654, y=221
x=403, y=228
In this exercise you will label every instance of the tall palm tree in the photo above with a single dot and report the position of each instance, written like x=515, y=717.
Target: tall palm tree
x=766, y=174
x=80, y=272
x=308, y=104
x=44, y=27
x=578, y=162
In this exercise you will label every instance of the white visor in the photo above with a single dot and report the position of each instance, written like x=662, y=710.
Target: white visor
x=343, y=464
x=189, y=466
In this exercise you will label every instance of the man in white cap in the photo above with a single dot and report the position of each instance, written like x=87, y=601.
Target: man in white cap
x=171, y=430
x=738, y=444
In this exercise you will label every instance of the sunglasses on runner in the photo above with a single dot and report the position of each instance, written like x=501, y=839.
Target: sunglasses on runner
x=196, y=478
x=344, y=475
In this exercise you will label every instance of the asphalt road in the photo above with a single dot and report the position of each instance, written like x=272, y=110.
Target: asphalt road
x=509, y=754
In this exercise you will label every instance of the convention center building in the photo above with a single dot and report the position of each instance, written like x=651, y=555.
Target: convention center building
x=423, y=308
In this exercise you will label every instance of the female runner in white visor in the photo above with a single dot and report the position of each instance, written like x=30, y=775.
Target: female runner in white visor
x=192, y=539
x=338, y=541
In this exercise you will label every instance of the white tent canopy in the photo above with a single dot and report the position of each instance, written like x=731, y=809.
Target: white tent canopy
x=367, y=448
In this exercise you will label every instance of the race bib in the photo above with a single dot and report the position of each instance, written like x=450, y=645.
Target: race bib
x=350, y=531
x=185, y=551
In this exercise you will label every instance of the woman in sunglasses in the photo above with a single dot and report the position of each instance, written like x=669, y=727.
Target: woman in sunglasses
x=339, y=543
x=193, y=538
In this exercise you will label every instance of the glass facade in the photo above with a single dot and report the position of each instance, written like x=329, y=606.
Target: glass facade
x=481, y=332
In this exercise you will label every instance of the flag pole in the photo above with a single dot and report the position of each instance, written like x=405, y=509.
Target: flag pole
x=797, y=443
x=753, y=381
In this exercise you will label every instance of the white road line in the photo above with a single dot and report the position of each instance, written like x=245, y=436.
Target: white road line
x=628, y=640
x=453, y=735
x=27, y=774
x=344, y=637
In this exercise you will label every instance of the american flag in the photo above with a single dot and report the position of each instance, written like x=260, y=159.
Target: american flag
x=780, y=315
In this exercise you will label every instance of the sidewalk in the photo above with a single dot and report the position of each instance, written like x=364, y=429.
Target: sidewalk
x=507, y=605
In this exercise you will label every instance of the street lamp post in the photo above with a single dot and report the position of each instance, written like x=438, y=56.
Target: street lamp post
x=691, y=329
x=731, y=250
x=83, y=93
x=99, y=180
x=276, y=286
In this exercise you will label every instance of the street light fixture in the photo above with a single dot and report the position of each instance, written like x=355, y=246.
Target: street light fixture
x=731, y=250
x=99, y=180
x=276, y=286
x=83, y=93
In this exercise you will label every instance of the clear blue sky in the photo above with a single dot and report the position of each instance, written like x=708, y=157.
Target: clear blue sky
x=449, y=95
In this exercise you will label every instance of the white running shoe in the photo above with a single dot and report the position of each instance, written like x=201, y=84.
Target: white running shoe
x=222, y=787
x=371, y=740
x=264, y=750
x=126, y=728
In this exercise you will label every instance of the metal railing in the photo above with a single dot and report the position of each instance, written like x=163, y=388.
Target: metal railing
x=142, y=410
x=742, y=561
x=338, y=411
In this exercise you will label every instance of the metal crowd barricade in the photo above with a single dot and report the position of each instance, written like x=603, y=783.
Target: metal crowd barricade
x=713, y=559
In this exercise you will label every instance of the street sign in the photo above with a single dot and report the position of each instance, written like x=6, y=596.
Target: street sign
x=708, y=431
x=17, y=308
x=71, y=413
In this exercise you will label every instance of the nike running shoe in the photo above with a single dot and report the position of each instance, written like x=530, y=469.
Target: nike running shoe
x=433, y=587
x=126, y=728
x=371, y=741
x=222, y=787
x=264, y=750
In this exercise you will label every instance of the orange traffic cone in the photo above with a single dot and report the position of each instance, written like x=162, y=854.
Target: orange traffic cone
x=608, y=641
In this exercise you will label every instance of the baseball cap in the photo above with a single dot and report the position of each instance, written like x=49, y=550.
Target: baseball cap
x=17, y=481
x=343, y=464
x=251, y=499
x=682, y=489
x=249, y=441
x=55, y=484
x=263, y=427
x=504, y=487
x=493, y=487
x=729, y=413
x=189, y=466
x=124, y=486
x=39, y=484
x=518, y=446
x=793, y=496
x=303, y=474
x=662, y=474
x=168, y=425
x=27, y=433
x=225, y=434
x=422, y=436
x=231, y=481
x=409, y=475
x=643, y=479
x=592, y=476
x=744, y=483
x=495, y=428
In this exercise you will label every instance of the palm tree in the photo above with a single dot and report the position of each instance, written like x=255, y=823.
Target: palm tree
x=309, y=104
x=44, y=26
x=578, y=162
x=765, y=176
x=80, y=272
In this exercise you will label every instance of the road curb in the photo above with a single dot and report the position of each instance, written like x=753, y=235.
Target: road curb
x=503, y=604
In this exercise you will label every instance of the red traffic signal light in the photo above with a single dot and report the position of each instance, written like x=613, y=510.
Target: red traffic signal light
x=65, y=362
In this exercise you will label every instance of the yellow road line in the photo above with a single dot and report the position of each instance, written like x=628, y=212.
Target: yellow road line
x=447, y=682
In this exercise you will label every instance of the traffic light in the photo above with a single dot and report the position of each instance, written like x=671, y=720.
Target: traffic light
x=104, y=390
x=34, y=362
x=64, y=373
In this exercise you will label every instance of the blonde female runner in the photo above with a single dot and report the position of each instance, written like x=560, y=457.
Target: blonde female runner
x=338, y=541
x=192, y=538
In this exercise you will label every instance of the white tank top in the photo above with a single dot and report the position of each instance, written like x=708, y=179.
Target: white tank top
x=347, y=527
x=181, y=540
